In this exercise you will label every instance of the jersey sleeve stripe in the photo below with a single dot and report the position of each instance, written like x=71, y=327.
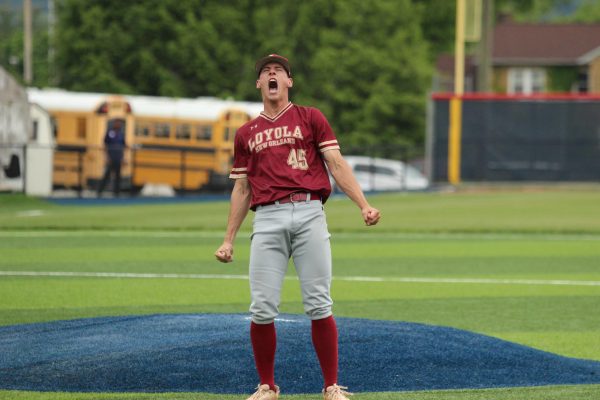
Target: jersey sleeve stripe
x=327, y=142
x=324, y=149
x=237, y=176
x=238, y=169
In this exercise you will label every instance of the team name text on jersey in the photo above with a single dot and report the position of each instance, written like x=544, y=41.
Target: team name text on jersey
x=274, y=137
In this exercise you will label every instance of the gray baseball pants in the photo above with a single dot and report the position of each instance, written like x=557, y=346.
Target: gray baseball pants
x=281, y=231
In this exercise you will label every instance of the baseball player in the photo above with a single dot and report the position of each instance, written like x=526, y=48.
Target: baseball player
x=279, y=171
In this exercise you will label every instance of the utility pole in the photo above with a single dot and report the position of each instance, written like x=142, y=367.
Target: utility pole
x=52, y=76
x=27, y=47
x=484, y=69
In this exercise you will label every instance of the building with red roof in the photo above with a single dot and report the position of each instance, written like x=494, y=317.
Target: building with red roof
x=535, y=58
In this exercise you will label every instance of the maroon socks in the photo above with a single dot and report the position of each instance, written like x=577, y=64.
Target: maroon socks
x=264, y=344
x=325, y=340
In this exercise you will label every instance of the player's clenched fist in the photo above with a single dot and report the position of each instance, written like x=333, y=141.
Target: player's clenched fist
x=370, y=215
x=225, y=253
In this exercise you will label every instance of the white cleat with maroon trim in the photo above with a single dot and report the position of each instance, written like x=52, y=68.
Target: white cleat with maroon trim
x=335, y=392
x=264, y=392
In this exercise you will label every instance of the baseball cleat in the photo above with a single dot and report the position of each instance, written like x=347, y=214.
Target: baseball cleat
x=335, y=392
x=264, y=392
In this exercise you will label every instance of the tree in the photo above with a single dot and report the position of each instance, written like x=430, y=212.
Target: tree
x=370, y=73
x=365, y=63
x=437, y=24
x=588, y=12
x=11, y=43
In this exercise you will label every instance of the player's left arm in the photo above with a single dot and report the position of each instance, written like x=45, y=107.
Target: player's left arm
x=344, y=178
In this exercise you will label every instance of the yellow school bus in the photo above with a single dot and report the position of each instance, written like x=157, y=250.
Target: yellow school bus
x=79, y=123
x=184, y=143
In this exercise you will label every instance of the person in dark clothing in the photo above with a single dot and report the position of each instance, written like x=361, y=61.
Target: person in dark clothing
x=114, y=142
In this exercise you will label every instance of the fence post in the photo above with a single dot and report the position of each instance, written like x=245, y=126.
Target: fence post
x=133, y=162
x=182, y=170
x=24, y=152
x=80, y=173
x=404, y=159
x=372, y=177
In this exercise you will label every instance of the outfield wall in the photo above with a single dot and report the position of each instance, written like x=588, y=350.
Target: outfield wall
x=519, y=138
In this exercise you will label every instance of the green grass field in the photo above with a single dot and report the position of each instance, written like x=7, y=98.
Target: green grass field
x=519, y=264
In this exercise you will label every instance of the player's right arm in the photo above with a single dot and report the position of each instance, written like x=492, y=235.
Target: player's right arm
x=240, y=204
x=345, y=179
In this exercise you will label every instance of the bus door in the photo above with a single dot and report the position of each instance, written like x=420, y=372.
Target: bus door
x=114, y=109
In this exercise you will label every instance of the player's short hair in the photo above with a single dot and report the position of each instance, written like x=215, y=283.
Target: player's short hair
x=273, y=58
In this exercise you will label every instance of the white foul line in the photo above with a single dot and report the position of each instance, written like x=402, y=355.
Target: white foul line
x=341, y=235
x=121, y=275
x=337, y=278
x=471, y=280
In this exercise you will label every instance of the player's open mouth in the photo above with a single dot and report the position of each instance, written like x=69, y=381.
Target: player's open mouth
x=273, y=85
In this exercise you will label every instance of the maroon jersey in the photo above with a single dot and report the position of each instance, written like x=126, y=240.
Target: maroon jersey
x=282, y=155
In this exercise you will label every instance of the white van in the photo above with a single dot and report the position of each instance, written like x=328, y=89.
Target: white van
x=380, y=174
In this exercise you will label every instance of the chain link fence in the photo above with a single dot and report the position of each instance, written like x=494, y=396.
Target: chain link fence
x=77, y=171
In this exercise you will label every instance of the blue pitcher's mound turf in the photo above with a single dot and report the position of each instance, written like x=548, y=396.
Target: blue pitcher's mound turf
x=212, y=353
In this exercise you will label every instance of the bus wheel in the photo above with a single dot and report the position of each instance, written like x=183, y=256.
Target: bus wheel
x=135, y=190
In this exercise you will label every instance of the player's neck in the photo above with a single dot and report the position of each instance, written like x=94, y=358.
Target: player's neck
x=272, y=108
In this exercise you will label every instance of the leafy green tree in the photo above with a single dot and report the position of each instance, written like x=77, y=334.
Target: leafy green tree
x=588, y=12
x=155, y=47
x=437, y=23
x=371, y=73
x=365, y=63
x=11, y=44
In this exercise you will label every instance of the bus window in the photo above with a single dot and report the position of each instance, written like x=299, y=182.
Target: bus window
x=162, y=130
x=142, y=129
x=203, y=132
x=54, y=123
x=183, y=132
x=81, y=128
x=229, y=134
